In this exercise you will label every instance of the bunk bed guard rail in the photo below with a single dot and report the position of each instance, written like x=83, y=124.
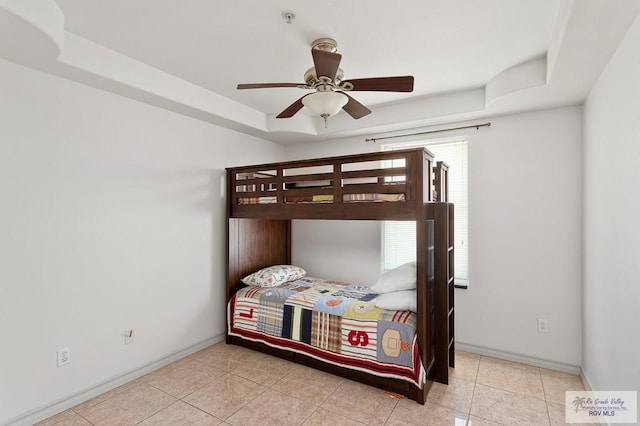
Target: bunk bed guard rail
x=391, y=183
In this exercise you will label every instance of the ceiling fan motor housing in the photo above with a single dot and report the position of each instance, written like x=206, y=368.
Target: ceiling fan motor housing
x=326, y=44
x=311, y=77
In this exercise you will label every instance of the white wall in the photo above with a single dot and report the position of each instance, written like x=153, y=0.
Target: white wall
x=111, y=217
x=525, y=235
x=339, y=250
x=611, y=228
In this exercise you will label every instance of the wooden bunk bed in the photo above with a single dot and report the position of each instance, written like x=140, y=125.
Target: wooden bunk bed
x=402, y=185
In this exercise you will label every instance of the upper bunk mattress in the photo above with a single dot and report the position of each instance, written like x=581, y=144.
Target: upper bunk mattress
x=331, y=321
x=347, y=198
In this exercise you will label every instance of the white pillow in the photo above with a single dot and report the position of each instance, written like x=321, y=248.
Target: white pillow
x=273, y=276
x=401, y=278
x=406, y=300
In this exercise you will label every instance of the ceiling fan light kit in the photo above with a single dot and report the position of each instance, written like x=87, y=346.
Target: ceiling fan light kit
x=326, y=78
x=325, y=104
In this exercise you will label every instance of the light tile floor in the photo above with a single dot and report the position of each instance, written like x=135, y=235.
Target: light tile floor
x=231, y=385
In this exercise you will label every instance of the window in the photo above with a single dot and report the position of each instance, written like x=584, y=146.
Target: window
x=398, y=238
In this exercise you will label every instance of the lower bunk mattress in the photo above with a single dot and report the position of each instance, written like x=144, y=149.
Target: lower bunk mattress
x=334, y=322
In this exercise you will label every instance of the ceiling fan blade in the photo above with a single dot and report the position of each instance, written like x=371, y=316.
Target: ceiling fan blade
x=355, y=109
x=291, y=110
x=326, y=63
x=267, y=85
x=382, y=84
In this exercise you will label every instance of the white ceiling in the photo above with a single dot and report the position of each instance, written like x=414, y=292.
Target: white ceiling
x=447, y=45
x=470, y=58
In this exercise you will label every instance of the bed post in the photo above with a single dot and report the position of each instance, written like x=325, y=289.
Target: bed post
x=253, y=244
x=424, y=264
x=426, y=324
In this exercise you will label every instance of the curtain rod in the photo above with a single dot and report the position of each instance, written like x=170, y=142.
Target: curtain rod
x=472, y=126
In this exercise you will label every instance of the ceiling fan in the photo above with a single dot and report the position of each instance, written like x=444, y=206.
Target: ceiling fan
x=326, y=78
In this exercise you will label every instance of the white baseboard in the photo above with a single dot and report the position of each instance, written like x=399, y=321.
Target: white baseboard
x=585, y=380
x=523, y=359
x=588, y=386
x=59, y=406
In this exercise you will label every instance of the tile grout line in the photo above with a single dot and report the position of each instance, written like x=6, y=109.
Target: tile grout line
x=98, y=403
x=310, y=414
x=475, y=386
x=515, y=393
x=200, y=409
x=474, y=393
x=163, y=408
x=333, y=391
x=83, y=418
x=386, y=419
x=106, y=400
x=271, y=387
x=512, y=391
x=322, y=402
x=157, y=411
x=124, y=391
x=224, y=373
x=468, y=411
x=346, y=415
x=544, y=393
x=337, y=387
x=248, y=402
x=342, y=381
x=301, y=400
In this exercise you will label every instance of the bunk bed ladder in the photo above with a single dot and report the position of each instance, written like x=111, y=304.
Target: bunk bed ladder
x=444, y=290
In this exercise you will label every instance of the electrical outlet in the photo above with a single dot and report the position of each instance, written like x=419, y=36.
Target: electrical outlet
x=64, y=357
x=128, y=337
x=542, y=325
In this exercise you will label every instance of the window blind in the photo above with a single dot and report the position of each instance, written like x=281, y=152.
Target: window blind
x=398, y=245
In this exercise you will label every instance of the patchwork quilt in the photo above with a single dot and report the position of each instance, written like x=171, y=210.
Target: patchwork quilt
x=332, y=321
